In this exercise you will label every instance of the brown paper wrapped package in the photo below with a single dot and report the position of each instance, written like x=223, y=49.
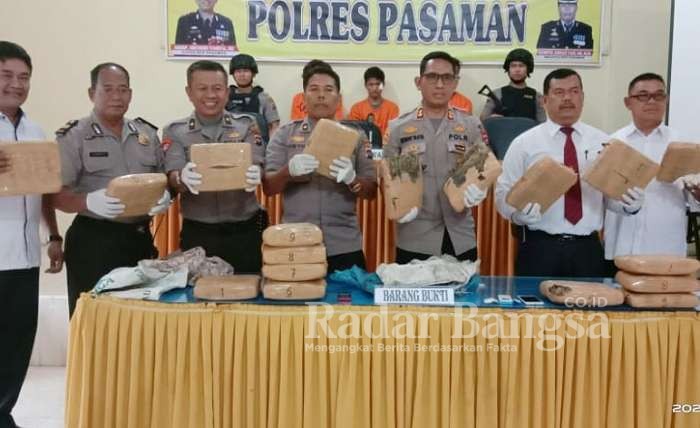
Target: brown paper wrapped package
x=299, y=272
x=285, y=290
x=222, y=165
x=484, y=180
x=657, y=284
x=679, y=159
x=657, y=265
x=35, y=168
x=232, y=287
x=618, y=168
x=330, y=140
x=594, y=294
x=670, y=300
x=138, y=192
x=404, y=190
x=544, y=182
x=293, y=255
x=292, y=235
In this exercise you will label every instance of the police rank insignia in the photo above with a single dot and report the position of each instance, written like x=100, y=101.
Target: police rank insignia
x=458, y=128
x=227, y=120
x=410, y=130
x=305, y=127
x=450, y=115
x=233, y=135
x=191, y=124
x=143, y=140
x=297, y=138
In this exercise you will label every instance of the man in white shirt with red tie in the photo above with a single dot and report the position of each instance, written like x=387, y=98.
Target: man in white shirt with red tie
x=563, y=241
x=660, y=226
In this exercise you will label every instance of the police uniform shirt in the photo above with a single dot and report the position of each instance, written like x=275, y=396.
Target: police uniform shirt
x=490, y=106
x=193, y=29
x=548, y=140
x=91, y=155
x=439, y=152
x=319, y=200
x=553, y=35
x=213, y=207
x=20, y=247
x=268, y=108
x=660, y=225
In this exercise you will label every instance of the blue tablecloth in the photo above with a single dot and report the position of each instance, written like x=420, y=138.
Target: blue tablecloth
x=489, y=287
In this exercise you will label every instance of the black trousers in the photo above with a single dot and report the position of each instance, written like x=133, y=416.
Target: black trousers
x=94, y=247
x=346, y=261
x=19, y=309
x=404, y=256
x=542, y=254
x=238, y=243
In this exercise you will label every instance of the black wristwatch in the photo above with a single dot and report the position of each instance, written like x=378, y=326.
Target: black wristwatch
x=55, y=238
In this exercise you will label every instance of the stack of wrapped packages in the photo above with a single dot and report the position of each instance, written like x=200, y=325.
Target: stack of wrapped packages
x=659, y=281
x=294, y=262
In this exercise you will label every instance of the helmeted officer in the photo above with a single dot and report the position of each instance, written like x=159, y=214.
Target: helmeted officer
x=566, y=32
x=440, y=135
x=205, y=27
x=227, y=224
x=246, y=98
x=516, y=99
x=312, y=198
x=94, y=150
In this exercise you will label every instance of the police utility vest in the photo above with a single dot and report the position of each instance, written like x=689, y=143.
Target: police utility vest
x=249, y=103
x=519, y=102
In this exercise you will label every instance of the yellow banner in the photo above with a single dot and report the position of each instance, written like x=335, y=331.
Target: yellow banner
x=385, y=31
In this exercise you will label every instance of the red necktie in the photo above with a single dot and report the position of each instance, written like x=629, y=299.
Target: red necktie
x=573, y=208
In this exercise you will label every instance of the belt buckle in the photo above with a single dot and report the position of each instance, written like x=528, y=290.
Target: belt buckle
x=566, y=237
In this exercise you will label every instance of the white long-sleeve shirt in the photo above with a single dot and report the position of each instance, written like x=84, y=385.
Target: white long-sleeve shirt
x=660, y=226
x=20, y=247
x=548, y=140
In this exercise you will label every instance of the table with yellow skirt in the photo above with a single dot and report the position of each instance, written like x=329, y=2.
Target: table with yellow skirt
x=135, y=364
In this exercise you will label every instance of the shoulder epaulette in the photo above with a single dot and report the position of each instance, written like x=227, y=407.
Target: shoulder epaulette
x=145, y=122
x=67, y=127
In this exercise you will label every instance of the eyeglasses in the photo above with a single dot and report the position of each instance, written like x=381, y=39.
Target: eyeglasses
x=645, y=96
x=433, y=78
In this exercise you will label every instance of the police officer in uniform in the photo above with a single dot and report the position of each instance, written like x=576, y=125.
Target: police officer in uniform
x=94, y=150
x=566, y=32
x=516, y=99
x=246, y=98
x=440, y=135
x=312, y=198
x=205, y=27
x=227, y=224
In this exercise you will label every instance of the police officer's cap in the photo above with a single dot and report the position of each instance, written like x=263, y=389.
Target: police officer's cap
x=522, y=55
x=568, y=1
x=243, y=61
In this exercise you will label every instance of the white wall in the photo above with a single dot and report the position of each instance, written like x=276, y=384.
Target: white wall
x=684, y=75
x=67, y=38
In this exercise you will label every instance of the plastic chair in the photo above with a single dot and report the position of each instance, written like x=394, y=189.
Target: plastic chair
x=503, y=130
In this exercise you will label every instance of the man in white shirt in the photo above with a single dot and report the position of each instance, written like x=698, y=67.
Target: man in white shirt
x=563, y=241
x=20, y=247
x=660, y=226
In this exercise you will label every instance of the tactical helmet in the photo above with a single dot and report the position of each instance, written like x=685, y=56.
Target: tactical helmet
x=521, y=55
x=241, y=61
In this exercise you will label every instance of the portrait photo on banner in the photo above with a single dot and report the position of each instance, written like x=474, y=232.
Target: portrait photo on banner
x=400, y=31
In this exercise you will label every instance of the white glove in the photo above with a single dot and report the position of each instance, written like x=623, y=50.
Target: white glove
x=633, y=200
x=105, y=206
x=343, y=170
x=191, y=178
x=529, y=215
x=691, y=182
x=473, y=195
x=162, y=205
x=252, y=178
x=302, y=164
x=409, y=216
